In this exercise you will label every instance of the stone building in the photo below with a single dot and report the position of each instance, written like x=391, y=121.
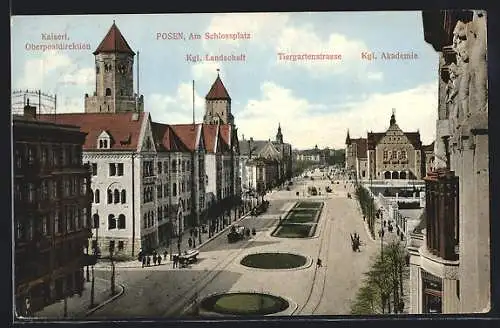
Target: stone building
x=264, y=163
x=314, y=155
x=51, y=212
x=151, y=181
x=450, y=254
x=393, y=154
x=114, y=69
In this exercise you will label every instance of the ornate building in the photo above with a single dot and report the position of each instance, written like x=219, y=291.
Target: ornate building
x=151, y=181
x=264, y=163
x=450, y=256
x=114, y=69
x=393, y=154
x=51, y=212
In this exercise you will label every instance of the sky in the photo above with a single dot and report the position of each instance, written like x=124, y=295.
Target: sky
x=314, y=101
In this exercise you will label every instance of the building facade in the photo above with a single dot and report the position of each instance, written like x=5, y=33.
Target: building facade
x=264, y=164
x=450, y=256
x=51, y=212
x=314, y=155
x=393, y=154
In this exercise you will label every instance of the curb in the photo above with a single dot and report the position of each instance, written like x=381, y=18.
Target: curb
x=109, y=300
x=221, y=231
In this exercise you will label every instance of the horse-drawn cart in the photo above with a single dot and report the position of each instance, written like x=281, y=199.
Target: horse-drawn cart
x=188, y=257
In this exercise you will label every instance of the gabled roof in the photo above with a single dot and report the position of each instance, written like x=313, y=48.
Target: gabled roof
x=361, y=147
x=218, y=91
x=256, y=146
x=187, y=133
x=114, y=42
x=373, y=139
x=165, y=139
x=123, y=128
x=414, y=138
x=209, y=136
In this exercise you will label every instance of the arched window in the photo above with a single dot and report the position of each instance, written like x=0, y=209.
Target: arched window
x=97, y=196
x=91, y=195
x=121, y=221
x=117, y=196
x=108, y=91
x=403, y=155
x=124, y=198
x=111, y=222
x=402, y=175
x=395, y=175
x=174, y=189
x=95, y=219
x=387, y=175
x=160, y=213
x=145, y=220
x=110, y=196
x=174, y=165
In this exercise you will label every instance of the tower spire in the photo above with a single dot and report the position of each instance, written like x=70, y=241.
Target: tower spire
x=393, y=117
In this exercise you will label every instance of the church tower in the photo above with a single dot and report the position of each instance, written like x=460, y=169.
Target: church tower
x=279, y=135
x=114, y=69
x=218, y=104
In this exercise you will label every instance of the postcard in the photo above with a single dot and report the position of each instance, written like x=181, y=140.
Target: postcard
x=250, y=165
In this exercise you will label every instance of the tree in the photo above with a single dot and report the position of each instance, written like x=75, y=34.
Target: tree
x=384, y=278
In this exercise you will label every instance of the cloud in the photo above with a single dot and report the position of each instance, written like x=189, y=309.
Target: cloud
x=263, y=28
x=53, y=71
x=415, y=110
x=83, y=76
x=177, y=108
x=305, y=40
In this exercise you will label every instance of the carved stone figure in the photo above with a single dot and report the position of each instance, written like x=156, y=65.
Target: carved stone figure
x=440, y=160
x=478, y=61
x=452, y=92
x=464, y=84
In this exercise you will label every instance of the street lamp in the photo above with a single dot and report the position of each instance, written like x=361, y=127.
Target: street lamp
x=111, y=251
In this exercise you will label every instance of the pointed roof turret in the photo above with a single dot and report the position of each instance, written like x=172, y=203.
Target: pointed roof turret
x=114, y=42
x=348, y=138
x=279, y=135
x=218, y=90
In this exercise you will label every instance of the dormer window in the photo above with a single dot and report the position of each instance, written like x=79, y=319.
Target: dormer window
x=104, y=141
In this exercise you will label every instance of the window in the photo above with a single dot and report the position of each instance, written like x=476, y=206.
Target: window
x=124, y=196
x=145, y=220
x=117, y=196
x=165, y=189
x=394, y=155
x=165, y=167
x=103, y=143
x=31, y=192
x=112, y=169
x=111, y=245
x=57, y=223
x=120, y=245
x=174, y=189
x=386, y=155
x=110, y=196
x=95, y=219
x=165, y=211
x=159, y=167
x=159, y=191
x=403, y=155
x=174, y=166
x=111, y=222
x=120, y=169
x=44, y=155
x=160, y=213
x=45, y=226
x=108, y=91
x=31, y=155
x=97, y=196
x=121, y=221
x=94, y=169
x=19, y=230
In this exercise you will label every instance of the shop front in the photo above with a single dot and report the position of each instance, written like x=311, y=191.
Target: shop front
x=432, y=293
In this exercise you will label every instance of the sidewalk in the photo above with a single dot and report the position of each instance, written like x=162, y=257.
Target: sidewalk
x=104, y=263
x=79, y=306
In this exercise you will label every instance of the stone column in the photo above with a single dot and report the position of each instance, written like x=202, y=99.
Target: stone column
x=415, y=288
x=469, y=238
x=450, y=296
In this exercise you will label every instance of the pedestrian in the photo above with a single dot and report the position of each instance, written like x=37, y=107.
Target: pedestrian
x=318, y=263
x=190, y=242
x=154, y=258
x=143, y=261
x=159, y=259
x=165, y=255
x=364, y=218
x=191, y=232
x=174, y=261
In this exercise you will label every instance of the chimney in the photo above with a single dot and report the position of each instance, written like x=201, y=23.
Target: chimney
x=29, y=111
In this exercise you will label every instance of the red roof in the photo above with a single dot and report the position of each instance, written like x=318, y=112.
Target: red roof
x=209, y=134
x=187, y=134
x=123, y=129
x=114, y=42
x=218, y=91
x=166, y=139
